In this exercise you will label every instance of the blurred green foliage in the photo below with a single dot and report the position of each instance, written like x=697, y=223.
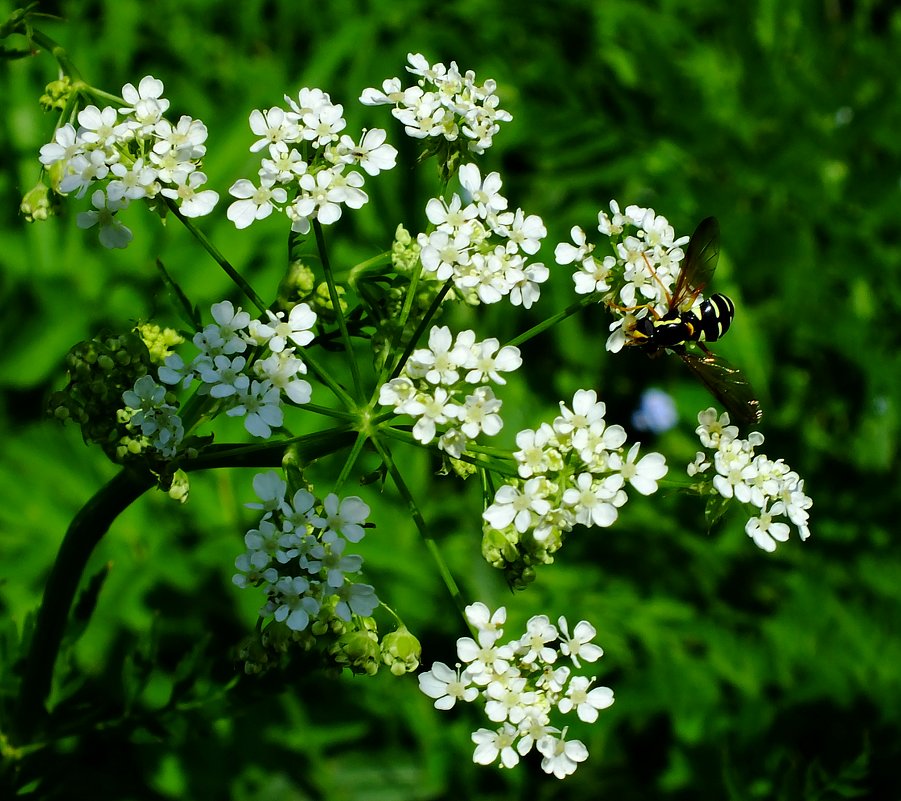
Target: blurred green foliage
x=738, y=674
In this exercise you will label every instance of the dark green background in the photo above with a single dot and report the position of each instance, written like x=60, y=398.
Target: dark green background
x=738, y=674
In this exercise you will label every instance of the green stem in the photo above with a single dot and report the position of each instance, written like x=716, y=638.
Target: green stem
x=58, y=52
x=350, y=461
x=364, y=267
x=421, y=526
x=339, y=312
x=423, y=323
x=504, y=468
x=323, y=375
x=553, y=320
x=85, y=531
x=210, y=248
x=88, y=528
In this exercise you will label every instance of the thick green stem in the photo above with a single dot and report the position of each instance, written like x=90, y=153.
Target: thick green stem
x=85, y=531
x=88, y=528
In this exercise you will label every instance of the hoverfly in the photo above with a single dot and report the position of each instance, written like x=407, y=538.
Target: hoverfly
x=691, y=320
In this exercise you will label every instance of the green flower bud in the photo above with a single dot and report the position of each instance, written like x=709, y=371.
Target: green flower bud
x=401, y=651
x=100, y=370
x=321, y=301
x=404, y=252
x=358, y=651
x=180, y=487
x=36, y=205
x=297, y=285
x=500, y=548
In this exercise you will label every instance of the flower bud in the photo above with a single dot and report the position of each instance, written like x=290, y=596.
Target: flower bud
x=401, y=651
x=357, y=650
x=36, y=205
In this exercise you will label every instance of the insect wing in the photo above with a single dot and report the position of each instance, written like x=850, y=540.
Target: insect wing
x=700, y=260
x=727, y=384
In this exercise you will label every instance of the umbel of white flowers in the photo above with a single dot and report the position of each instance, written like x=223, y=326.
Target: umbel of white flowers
x=524, y=684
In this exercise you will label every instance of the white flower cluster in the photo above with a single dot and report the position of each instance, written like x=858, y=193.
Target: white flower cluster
x=251, y=388
x=522, y=682
x=483, y=247
x=146, y=409
x=138, y=152
x=446, y=385
x=572, y=472
x=771, y=487
x=309, y=159
x=641, y=274
x=443, y=103
x=297, y=554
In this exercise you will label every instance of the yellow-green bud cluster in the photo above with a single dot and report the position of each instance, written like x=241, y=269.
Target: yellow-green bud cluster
x=56, y=94
x=100, y=370
x=159, y=341
x=321, y=301
x=404, y=251
x=297, y=285
x=352, y=645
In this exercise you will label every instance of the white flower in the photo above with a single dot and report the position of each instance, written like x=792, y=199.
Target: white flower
x=344, y=517
x=594, y=501
x=64, y=146
x=322, y=194
x=584, y=700
x=373, y=154
x=113, y=234
x=537, y=452
x=491, y=744
x=134, y=182
x=512, y=505
x=539, y=632
x=433, y=410
x=100, y=127
x=270, y=489
x=484, y=194
x=765, y=530
x=565, y=253
x=479, y=412
x=146, y=102
x=642, y=475
x=254, y=203
x=561, y=757
x=579, y=645
x=272, y=126
x=279, y=330
x=226, y=376
x=524, y=285
x=587, y=411
x=191, y=202
x=447, y=686
x=486, y=361
x=488, y=624
x=293, y=606
x=260, y=405
x=355, y=599
x=82, y=170
x=282, y=369
x=183, y=141
x=593, y=275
